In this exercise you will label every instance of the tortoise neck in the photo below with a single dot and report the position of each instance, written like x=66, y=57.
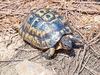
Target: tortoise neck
x=58, y=45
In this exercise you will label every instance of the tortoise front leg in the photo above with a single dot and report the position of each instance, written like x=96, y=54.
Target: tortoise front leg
x=49, y=53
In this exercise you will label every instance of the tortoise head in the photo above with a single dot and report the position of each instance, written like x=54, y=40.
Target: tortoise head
x=66, y=43
x=68, y=40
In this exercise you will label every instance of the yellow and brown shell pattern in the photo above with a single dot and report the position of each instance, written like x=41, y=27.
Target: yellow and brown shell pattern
x=43, y=28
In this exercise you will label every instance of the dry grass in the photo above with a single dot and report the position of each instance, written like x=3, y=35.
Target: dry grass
x=84, y=18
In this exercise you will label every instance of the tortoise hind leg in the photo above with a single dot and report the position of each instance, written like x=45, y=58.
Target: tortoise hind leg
x=49, y=53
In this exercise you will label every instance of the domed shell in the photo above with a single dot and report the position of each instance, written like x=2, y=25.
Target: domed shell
x=43, y=28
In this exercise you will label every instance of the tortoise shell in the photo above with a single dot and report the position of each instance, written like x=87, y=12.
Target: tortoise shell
x=43, y=28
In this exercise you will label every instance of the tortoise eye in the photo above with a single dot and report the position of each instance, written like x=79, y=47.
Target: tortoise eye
x=65, y=45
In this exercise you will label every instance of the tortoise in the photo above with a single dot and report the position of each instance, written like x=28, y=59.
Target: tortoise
x=47, y=30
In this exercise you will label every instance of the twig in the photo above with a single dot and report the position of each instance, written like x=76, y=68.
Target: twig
x=27, y=49
x=87, y=2
x=94, y=42
x=84, y=11
x=93, y=71
x=80, y=64
x=85, y=63
x=9, y=61
x=77, y=63
x=19, y=60
x=34, y=57
x=95, y=38
x=77, y=2
x=3, y=6
x=95, y=51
